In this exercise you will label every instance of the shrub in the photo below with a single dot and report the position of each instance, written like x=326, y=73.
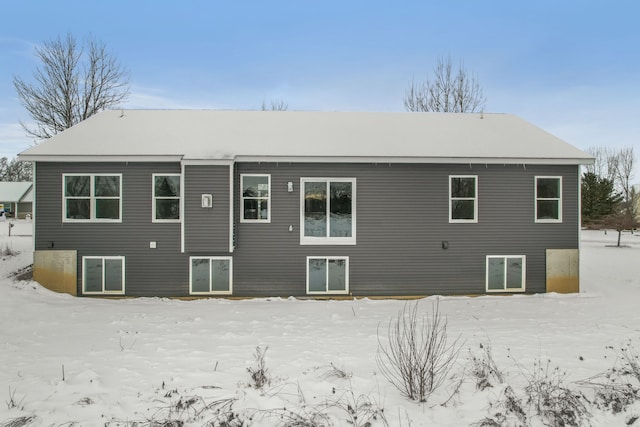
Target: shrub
x=548, y=395
x=259, y=373
x=416, y=355
x=484, y=369
x=619, y=386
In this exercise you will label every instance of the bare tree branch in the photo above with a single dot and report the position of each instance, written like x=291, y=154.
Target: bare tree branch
x=73, y=83
x=279, y=105
x=458, y=92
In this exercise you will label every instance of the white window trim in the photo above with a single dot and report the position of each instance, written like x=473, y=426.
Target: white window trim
x=103, y=292
x=309, y=240
x=92, y=198
x=153, y=198
x=505, y=289
x=210, y=258
x=328, y=258
x=242, y=198
x=559, y=199
x=475, y=200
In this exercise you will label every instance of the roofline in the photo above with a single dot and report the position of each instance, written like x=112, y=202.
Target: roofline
x=312, y=159
x=83, y=158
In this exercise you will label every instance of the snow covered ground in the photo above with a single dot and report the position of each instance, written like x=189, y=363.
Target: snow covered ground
x=69, y=361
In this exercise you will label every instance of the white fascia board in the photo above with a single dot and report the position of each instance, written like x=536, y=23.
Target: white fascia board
x=438, y=160
x=98, y=158
x=206, y=162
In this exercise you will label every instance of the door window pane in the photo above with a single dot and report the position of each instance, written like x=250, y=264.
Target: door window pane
x=220, y=275
x=315, y=209
x=337, y=275
x=495, y=275
x=113, y=275
x=200, y=274
x=93, y=275
x=514, y=273
x=317, y=275
x=340, y=225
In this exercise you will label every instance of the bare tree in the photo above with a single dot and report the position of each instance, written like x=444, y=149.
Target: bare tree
x=73, y=83
x=279, y=105
x=622, y=166
x=448, y=91
x=14, y=170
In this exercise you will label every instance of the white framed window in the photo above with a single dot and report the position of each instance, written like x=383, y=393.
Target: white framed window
x=103, y=275
x=92, y=197
x=506, y=273
x=166, y=197
x=548, y=191
x=210, y=275
x=327, y=275
x=463, y=198
x=327, y=211
x=256, y=198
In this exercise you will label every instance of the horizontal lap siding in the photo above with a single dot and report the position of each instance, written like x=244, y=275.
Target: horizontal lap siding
x=402, y=220
x=401, y=214
x=149, y=272
x=206, y=230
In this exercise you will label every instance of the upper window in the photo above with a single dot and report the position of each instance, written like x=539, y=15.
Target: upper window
x=166, y=198
x=103, y=275
x=95, y=197
x=327, y=275
x=506, y=273
x=211, y=275
x=256, y=194
x=548, y=206
x=328, y=211
x=463, y=198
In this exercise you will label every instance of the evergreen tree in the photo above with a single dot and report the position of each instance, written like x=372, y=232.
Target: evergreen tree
x=599, y=198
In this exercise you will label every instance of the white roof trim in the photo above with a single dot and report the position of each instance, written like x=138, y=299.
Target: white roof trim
x=71, y=158
x=438, y=160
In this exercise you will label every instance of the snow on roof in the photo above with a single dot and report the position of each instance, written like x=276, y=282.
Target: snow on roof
x=14, y=191
x=306, y=136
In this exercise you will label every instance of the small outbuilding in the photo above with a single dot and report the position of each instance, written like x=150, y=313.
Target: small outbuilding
x=16, y=199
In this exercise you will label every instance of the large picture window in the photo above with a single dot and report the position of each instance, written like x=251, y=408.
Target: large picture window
x=92, y=197
x=328, y=211
x=166, y=198
x=506, y=273
x=103, y=275
x=463, y=198
x=548, y=206
x=327, y=275
x=211, y=275
x=256, y=193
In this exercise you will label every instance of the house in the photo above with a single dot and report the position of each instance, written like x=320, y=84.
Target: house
x=182, y=203
x=16, y=198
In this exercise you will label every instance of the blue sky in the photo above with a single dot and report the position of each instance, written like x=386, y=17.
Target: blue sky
x=571, y=67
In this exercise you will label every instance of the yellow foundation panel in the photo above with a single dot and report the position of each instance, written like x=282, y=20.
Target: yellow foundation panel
x=56, y=270
x=563, y=270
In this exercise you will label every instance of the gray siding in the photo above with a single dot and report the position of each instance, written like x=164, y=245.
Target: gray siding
x=160, y=272
x=401, y=213
x=402, y=219
x=206, y=230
